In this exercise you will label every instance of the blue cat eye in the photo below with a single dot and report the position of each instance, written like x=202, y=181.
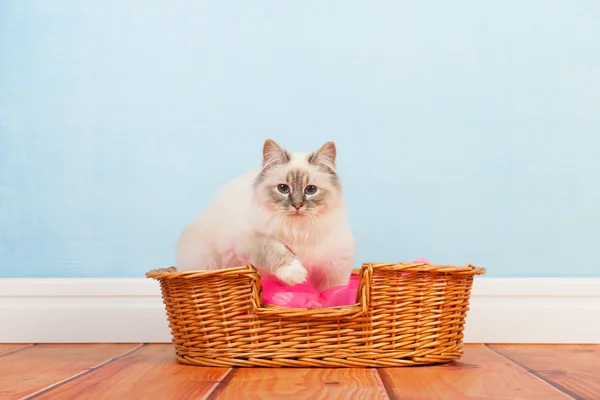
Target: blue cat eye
x=283, y=188
x=310, y=190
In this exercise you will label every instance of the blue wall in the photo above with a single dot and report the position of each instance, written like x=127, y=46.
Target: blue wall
x=468, y=131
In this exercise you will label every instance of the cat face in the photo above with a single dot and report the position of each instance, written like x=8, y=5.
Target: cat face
x=296, y=184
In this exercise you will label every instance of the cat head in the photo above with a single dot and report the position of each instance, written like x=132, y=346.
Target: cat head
x=296, y=184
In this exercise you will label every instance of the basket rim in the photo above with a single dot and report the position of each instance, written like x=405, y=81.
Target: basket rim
x=467, y=269
x=172, y=272
x=363, y=294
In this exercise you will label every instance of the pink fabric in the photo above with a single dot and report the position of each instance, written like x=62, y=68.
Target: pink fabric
x=305, y=296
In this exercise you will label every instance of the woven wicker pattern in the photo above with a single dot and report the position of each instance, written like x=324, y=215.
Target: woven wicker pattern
x=406, y=314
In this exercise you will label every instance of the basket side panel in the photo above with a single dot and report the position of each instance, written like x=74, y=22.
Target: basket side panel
x=420, y=315
x=210, y=313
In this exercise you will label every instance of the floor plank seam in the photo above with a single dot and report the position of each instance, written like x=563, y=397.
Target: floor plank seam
x=533, y=372
x=16, y=350
x=80, y=374
x=216, y=385
x=384, y=384
x=221, y=385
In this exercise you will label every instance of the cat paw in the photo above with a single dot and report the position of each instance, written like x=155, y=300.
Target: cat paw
x=292, y=274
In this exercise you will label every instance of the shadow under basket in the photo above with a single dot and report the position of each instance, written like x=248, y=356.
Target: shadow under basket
x=405, y=314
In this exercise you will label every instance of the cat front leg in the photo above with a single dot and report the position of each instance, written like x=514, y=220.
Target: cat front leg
x=272, y=256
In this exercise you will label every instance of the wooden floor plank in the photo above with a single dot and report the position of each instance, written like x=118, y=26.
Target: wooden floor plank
x=7, y=348
x=480, y=374
x=301, y=383
x=493, y=372
x=573, y=368
x=148, y=373
x=32, y=369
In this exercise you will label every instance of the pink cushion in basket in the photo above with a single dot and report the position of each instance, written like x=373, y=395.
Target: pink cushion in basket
x=304, y=295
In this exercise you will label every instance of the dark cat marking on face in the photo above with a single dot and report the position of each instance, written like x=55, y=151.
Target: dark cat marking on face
x=297, y=180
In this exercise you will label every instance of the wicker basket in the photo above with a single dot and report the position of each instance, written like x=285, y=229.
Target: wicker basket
x=406, y=314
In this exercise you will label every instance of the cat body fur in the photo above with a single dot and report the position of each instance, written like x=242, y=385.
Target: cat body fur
x=294, y=236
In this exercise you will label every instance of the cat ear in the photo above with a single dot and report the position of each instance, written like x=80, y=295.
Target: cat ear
x=273, y=154
x=325, y=157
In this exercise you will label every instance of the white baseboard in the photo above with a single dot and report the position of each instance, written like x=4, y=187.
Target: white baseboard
x=503, y=310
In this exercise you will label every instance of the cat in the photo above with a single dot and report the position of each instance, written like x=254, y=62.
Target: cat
x=287, y=218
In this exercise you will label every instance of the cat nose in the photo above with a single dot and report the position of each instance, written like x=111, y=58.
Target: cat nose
x=297, y=206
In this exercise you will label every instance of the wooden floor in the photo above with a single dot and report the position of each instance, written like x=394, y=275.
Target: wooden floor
x=136, y=371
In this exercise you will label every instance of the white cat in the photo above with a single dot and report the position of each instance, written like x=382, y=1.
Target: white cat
x=287, y=218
